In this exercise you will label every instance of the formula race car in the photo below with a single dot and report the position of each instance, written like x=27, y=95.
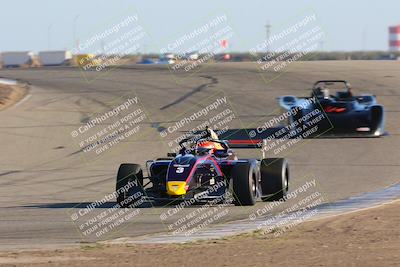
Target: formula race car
x=204, y=170
x=344, y=114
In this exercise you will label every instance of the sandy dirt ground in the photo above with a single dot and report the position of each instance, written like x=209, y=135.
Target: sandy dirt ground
x=11, y=94
x=365, y=238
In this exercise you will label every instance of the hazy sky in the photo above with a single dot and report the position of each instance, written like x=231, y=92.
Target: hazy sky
x=348, y=24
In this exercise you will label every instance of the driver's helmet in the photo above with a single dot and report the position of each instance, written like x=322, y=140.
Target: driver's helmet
x=211, y=145
x=325, y=92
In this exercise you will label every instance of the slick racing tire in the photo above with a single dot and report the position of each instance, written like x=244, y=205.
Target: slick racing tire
x=129, y=185
x=244, y=184
x=274, y=178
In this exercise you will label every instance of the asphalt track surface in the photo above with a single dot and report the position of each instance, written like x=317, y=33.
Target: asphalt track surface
x=44, y=174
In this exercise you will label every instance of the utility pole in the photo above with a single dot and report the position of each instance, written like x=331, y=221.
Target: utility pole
x=364, y=38
x=49, y=36
x=268, y=32
x=74, y=41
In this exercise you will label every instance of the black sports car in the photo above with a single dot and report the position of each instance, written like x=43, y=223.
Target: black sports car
x=205, y=169
x=345, y=114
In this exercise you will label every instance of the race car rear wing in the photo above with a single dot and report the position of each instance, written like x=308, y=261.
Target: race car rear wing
x=246, y=137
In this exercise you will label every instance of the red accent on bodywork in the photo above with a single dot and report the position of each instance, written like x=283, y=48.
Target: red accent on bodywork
x=330, y=109
x=201, y=160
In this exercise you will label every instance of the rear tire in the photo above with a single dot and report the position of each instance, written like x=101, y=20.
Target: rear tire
x=274, y=178
x=129, y=173
x=244, y=184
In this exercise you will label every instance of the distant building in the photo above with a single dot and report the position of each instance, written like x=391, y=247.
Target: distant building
x=16, y=59
x=55, y=58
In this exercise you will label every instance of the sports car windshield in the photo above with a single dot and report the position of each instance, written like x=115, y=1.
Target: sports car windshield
x=332, y=86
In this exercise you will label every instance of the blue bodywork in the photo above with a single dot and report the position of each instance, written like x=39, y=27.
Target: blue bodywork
x=344, y=114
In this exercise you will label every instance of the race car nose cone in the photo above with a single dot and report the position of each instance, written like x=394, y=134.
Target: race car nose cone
x=176, y=188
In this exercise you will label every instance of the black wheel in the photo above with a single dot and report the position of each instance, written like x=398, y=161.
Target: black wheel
x=377, y=120
x=129, y=186
x=274, y=178
x=244, y=184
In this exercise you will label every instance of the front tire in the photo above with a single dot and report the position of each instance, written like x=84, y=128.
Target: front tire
x=244, y=184
x=274, y=178
x=130, y=176
x=377, y=120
